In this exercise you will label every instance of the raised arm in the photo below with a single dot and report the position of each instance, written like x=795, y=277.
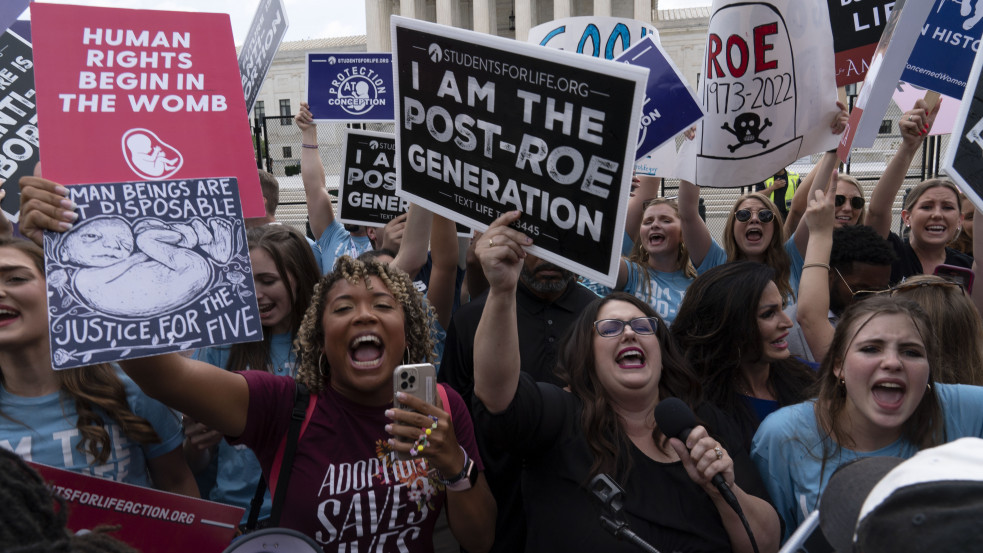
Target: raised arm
x=496, y=341
x=443, y=273
x=812, y=312
x=647, y=189
x=319, y=209
x=696, y=235
x=413, y=248
x=914, y=126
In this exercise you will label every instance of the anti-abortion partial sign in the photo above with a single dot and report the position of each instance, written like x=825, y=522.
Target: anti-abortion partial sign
x=149, y=268
x=598, y=37
x=944, y=52
x=18, y=119
x=354, y=87
x=857, y=27
x=900, y=34
x=150, y=520
x=141, y=95
x=564, y=158
x=906, y=94
x=769, y=93
x=670, y=106
x=963, y=159
x=266, y=32
x=367, y=191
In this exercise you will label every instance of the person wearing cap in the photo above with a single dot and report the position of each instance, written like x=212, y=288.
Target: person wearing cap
x=780, y=188
x=878, y=396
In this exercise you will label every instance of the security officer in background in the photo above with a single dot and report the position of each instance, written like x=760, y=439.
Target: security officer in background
x=780, y=188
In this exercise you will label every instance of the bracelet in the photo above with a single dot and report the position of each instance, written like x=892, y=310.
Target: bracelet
x=457, y=477
x=823, y=265
x=311, y=146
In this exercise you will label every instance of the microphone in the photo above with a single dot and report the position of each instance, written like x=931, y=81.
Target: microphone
x=676, y=420
x=612, y=498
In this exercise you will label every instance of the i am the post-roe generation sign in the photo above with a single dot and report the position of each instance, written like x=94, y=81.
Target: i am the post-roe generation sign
x=127, y=95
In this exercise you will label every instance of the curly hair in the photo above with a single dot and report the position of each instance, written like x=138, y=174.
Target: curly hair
x=775, y=256
x=92, y=388
x=716, y=327
x=925, y=428
x=859, y=244
x=639, y=256
x=297, y=268
x=852, y=180
x=955, y=321
x=576, y=366
x=33, y=519
x=419, y=317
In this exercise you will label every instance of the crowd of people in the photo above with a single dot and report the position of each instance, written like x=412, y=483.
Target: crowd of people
x=810, y=337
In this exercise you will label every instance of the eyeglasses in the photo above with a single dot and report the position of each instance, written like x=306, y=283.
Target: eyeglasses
x=902, y=287
x=859, y=294
x=609, y=328
x=764, y=215
x=856, y=202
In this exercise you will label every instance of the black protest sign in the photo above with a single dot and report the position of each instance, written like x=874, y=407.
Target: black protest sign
x=18, y=119
x=266, y=32
x=367, y=191
x=963, y=160
x=857, y=27
x=149, y=268
x=487, y=125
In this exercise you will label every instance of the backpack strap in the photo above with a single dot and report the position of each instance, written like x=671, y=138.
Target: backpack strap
x=300, y=417
x=443, y=401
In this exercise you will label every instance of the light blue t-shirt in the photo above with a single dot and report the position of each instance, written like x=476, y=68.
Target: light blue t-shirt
x=788, y=451
x=717, y=256
x=47, y=433
x=238, y=471
x=666, y=290
x=335, y=242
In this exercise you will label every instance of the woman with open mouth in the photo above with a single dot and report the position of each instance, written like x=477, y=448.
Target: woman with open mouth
x=619, y=362
x=877, y=397
x=348, y=489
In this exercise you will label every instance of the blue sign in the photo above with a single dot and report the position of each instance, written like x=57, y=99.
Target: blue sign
x=9, y=11
x=944, y=52
x=356, y=87
x=266, y=32
x=669, y=106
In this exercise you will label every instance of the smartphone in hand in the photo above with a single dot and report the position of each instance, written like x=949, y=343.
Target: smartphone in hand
x=419, y=381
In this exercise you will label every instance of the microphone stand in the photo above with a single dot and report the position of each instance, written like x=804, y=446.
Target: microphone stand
x=611, y=496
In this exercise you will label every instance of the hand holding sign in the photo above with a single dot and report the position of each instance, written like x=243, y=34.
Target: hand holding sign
x=44, y=205
x=500, y=252
x=917, y=122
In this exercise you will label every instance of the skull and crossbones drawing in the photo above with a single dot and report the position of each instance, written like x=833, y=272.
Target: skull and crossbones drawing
x=747, y=129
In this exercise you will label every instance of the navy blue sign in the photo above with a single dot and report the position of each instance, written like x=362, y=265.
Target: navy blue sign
x=944, y=52
x=149, y=268
x=670, y=106
x=266, y=32
x=9, y=11
x=18, y=118
x=354, y=87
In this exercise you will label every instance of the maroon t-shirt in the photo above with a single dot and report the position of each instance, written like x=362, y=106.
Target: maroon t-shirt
x=347, y=490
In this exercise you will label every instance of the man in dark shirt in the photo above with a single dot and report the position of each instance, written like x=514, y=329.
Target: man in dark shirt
x=548, y=300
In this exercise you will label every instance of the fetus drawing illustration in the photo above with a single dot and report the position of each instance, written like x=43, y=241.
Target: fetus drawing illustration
x=166, y=259
x=150, y=157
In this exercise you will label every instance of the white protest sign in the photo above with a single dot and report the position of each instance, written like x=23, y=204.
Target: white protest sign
x=598, y=37
x=898, y=39
x=487, y=125
x=769, y=92
x=963, y=159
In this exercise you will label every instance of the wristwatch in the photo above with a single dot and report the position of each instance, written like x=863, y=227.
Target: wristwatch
x=465, y=479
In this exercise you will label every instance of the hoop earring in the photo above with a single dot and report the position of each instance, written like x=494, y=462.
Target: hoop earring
x=320, y=364
x=406, y=356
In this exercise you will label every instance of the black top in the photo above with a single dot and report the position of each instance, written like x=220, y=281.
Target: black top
x=540, y=324
x=662, y=504
x=908, y=264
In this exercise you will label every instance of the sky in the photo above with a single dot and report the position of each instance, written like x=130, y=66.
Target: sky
x=306, y=19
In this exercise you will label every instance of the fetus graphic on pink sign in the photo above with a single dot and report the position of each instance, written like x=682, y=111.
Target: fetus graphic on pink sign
x=150, y=157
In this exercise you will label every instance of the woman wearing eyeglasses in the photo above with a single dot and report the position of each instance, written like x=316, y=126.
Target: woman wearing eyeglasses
x=619, y=361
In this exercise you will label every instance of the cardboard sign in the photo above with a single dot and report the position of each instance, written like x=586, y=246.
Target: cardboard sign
x=141, y=95
x=150, y=520
x=905, y=96
x=899, y=37
x=768, y=94
x=564, y=158
x=943, y=54
x=18, y=119
x=670, y=106
x=963, y=159
x=266, y=32
x=598, y=37
x=658, y=163
x=367, y=191
x=351, y=87
x=149, y=268
x=856, y=29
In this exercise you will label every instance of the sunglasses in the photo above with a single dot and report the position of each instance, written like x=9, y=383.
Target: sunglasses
x=764, y=215
x=856, y=202
x=902, y=287
x=609, y=328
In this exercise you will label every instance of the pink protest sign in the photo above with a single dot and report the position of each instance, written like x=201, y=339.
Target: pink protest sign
x=128, y=95
x=905, y=95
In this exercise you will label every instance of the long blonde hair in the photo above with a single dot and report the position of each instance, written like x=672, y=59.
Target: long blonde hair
x=775, y=256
